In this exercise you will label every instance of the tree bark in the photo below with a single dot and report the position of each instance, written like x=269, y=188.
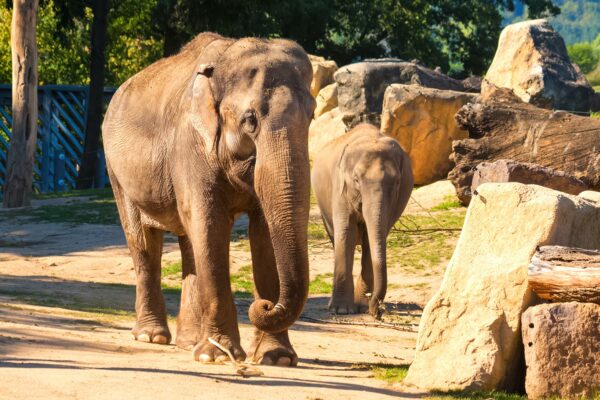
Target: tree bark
x=21, y=153
x=562, y=274
x=93, y=126
x=503, y=127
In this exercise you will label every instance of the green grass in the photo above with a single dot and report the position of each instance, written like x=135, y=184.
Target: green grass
x=595, y=115
x=321, y=284
x=474, y=395
x=241, y=281
x=100, y=209
x=449, y=203
x=420, y=242
x=172, y=269
x=389, y=373
x=316, y=231
x=105, y=193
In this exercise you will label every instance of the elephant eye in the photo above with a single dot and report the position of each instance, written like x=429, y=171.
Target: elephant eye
x=249, y=122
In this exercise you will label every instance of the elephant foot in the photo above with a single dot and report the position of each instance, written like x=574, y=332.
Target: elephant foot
x=206, y=352
x=361, y=303
x=342, y=305
x=151, y=333
x=187, y=336
x=273, y=349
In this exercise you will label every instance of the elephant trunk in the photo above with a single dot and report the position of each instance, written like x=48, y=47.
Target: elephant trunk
x=374, y=210
x=282, y=186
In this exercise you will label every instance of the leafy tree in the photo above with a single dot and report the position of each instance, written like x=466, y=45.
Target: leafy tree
x=585, y=55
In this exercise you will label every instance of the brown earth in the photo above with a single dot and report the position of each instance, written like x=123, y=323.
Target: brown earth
x=66, y=309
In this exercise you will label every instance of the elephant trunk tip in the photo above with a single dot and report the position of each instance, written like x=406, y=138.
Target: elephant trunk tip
x=269, y=317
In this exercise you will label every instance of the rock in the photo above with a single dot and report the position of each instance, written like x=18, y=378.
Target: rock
x=323, y=71
x=324, y=129
x=469, y=335
x=590, y=195
x=326, y=100
x=562, y=350
x=472, y=84
x=513, y=171
x=422, y=121
x=361, y=86
x=532, y=60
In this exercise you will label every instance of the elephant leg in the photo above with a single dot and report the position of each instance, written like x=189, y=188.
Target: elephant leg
x=364, y=282
x=145, y=245
x=344, y=237
x=189, y=327
x=209, y=232
x=267, y=348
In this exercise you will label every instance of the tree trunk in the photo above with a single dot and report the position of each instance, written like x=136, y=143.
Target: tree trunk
x=93, y=125
x=21, y=153
x=503, y=127
x=562, y=274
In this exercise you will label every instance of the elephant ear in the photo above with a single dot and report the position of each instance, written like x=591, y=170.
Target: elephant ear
x=204, y=113
x=204, y=107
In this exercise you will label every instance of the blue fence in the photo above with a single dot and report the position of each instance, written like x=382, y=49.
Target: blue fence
x=61, y=136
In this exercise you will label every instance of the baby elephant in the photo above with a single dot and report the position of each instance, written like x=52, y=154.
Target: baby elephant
x=362, y=182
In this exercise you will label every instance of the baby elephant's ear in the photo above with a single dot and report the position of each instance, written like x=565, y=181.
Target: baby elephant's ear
x=204, y=114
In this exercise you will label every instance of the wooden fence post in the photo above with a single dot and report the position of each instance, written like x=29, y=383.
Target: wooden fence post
x=19, y=168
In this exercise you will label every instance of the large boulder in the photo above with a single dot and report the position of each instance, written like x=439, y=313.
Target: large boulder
x=326, y=100
x=562, y=350
x=323, y=71
x=361, y=86
x=532, y=60
x=469, y=335
x=422, y=121
x=324, y=129
x=528, y=173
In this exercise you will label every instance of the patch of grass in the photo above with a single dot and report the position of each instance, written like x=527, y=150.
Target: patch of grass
x=321, y=284
x=386, y=372
x=99, y=210
x=105, y=193
x=241, y=281
x=420, y=242
x=595, y=115
x=449, y=203
x=172, y=269
x=316, y=231
x=67, y=302
x=474, y=395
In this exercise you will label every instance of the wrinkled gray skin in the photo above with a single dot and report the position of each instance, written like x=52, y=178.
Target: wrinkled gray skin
x=362, y=182
x=192, y=141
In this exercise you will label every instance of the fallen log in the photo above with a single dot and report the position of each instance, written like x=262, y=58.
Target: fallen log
x=563, y=274
x=501, y=126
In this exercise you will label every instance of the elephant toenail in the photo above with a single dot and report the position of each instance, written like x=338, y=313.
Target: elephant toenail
x=222, y=358
x=143, y=337
x=266, y=360
x=205, y=358
x=160, y=339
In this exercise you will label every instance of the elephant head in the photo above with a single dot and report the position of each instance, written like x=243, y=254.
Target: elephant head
x=377, y=178
x=251, y=105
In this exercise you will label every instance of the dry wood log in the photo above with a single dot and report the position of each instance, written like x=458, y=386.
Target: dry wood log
x=503, y=127
x=562, y=274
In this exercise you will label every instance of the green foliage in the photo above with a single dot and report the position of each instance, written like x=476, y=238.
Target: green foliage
x=584, y=54
x=63, y=39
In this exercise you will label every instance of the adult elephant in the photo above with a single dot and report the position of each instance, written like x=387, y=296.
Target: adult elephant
x=192, y=141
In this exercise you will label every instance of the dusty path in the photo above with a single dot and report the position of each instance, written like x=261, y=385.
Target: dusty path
x=66, y=308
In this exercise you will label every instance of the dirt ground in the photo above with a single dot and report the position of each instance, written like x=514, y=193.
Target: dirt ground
x=66, y=309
